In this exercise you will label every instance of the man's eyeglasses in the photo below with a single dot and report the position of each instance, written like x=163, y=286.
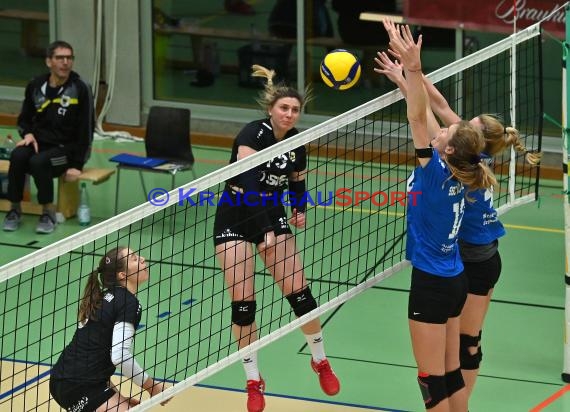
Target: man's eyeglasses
x=60, y=57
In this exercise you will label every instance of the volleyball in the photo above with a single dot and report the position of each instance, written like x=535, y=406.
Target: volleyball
x=340, y=69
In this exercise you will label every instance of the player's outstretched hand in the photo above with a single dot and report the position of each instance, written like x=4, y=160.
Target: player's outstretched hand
x=155, y=388
x=133, y=402
x=403, y=47
x=393, y=70
x=297, y=219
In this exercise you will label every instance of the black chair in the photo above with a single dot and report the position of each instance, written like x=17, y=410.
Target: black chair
x=167, y=137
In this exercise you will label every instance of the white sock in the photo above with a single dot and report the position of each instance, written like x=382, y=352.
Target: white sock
x=250, y=367
x=317, y=346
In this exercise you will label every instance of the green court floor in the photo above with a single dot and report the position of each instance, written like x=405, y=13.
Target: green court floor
x=367, y=338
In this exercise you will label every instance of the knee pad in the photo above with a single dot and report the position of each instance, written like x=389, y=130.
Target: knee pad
x=433, y=389
x=243, y=312
x=454, y=381
x=302, y=302
x=468, y=360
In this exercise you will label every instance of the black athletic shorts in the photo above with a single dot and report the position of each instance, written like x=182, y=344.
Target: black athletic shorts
x=435, y=299
x=80, y=397
x=483, y=276
x=234, y=221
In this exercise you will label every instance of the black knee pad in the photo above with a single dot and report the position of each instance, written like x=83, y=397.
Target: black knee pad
x=433, y=389
x=468, y=360
x=302, y=302
x=454, y=381
x=243, y=312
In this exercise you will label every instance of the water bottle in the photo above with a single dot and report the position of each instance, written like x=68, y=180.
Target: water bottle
x=7, y=147
x=10, y=143
x=83, y=212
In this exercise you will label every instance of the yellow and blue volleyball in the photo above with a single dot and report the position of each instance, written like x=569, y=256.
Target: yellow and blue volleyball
x=340, y=69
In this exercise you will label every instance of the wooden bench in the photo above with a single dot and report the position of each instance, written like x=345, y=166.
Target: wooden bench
x=67, y=192
x=29, y=40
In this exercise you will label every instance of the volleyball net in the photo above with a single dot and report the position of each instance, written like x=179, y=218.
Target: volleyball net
x=358, y=164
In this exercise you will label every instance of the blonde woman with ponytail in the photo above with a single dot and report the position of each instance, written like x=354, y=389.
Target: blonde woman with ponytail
x=109, y=314
x=480, y=229
x=250, y=214
x=451, y=171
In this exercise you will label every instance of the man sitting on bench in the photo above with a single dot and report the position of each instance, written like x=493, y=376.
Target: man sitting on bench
x=56, y=125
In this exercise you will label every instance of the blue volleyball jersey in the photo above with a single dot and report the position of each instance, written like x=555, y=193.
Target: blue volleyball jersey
x=433, y=222
x=480, y=225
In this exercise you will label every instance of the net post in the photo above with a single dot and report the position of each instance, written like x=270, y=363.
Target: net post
x=566, y=185
x=512, y=108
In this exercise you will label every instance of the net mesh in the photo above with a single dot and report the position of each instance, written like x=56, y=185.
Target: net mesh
x=358, y=164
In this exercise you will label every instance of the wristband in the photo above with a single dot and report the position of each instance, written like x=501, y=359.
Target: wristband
x=424, y=153
x=297, y=195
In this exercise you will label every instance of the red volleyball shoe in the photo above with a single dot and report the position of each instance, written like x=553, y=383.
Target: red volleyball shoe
x=255, y=399
x=328, y=380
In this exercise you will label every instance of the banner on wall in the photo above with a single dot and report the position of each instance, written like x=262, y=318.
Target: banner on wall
x=486, y=15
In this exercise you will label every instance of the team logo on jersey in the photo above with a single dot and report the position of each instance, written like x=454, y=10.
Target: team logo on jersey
x=65, y=101
x=273, y=180
x=447, y=248
x=454, y=190
x=279, y=162
x=109, y=297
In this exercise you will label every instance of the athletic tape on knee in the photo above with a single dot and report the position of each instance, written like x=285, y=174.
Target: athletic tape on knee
x=454, y=381
x=433, y=389
x=468, y=360
x=302, y=302
x=243, y=312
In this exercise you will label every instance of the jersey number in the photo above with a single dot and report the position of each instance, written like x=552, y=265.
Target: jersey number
x=457, y=217
x=489, y=197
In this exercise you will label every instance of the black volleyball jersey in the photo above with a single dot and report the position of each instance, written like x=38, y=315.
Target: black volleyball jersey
x=273, y=175
x=87, y=358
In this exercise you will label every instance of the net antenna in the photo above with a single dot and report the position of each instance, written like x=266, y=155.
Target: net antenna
x=512, y=165
x=566, y=187
x=358, y=165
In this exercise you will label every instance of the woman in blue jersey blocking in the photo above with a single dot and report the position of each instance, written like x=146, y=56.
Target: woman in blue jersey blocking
x=480, y=228
x=447, y=180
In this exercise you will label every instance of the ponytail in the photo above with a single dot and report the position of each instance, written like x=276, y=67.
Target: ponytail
x=92, y=296
x=273, y=92
x=465, y=162
x=513, y=139
x=104, y=277
x=499, y=137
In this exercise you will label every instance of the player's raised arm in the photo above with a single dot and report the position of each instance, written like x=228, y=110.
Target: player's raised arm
x=407, y=51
